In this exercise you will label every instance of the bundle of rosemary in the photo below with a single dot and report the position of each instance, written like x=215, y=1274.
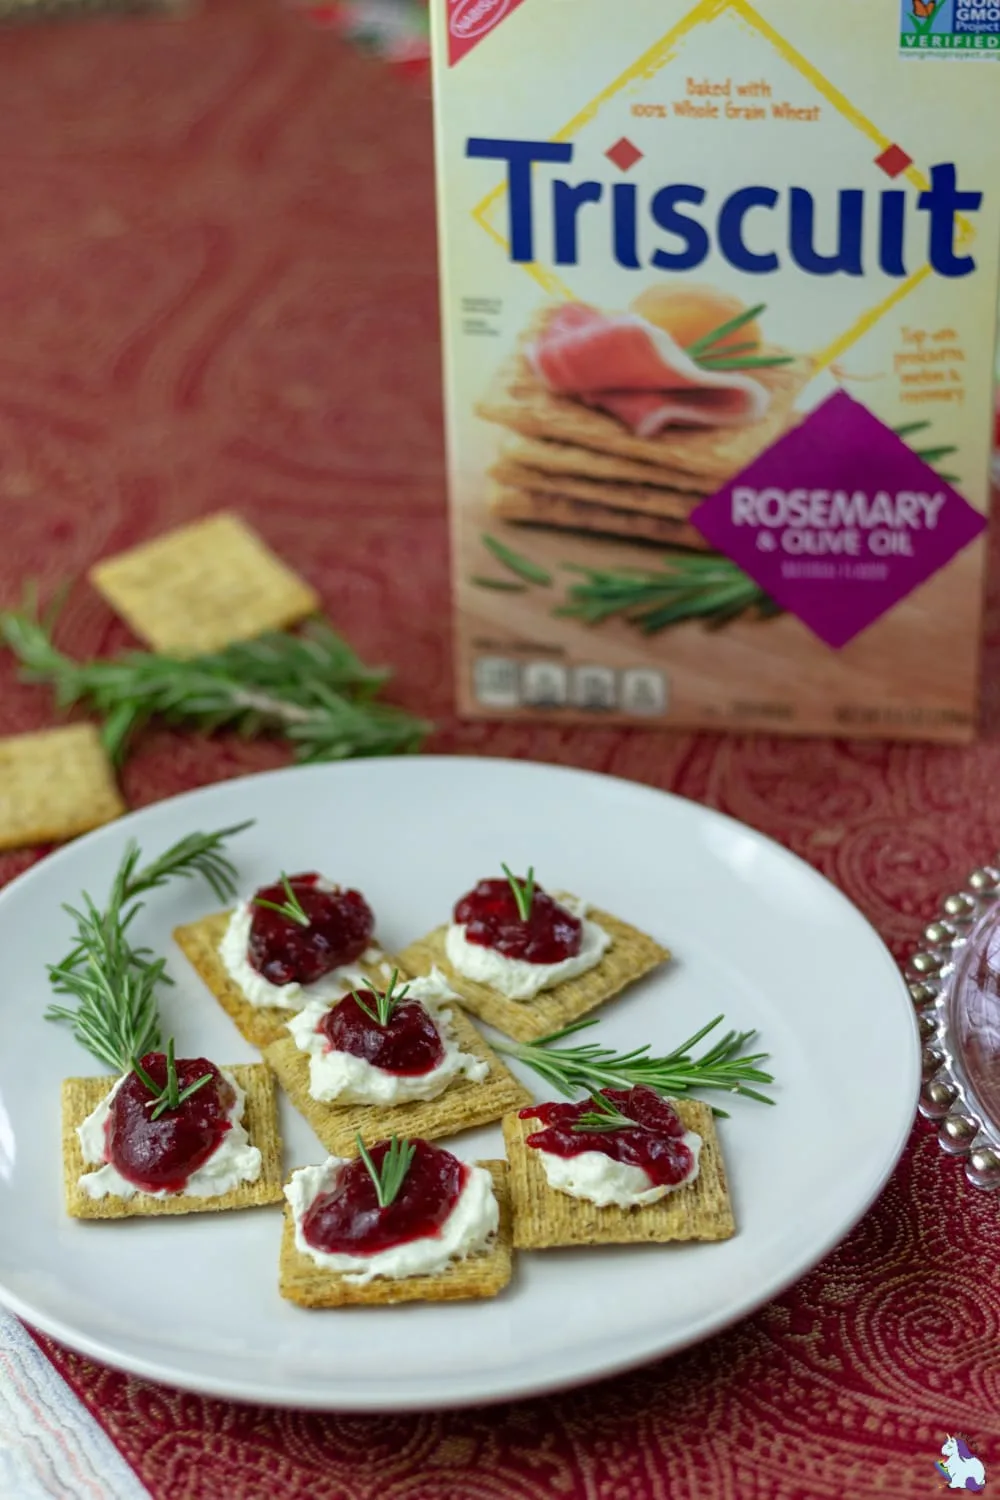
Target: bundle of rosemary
x=686, y=586
x=310, y=688
x=113, y=983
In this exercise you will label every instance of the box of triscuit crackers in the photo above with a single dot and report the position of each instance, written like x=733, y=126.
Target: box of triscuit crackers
x=719, y=288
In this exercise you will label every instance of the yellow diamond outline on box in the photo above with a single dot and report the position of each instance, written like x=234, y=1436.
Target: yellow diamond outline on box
x=650, y=63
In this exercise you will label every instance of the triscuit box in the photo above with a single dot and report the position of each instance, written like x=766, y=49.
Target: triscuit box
x=719, y=299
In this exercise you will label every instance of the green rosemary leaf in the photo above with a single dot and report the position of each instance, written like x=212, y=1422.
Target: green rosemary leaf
x=727, y=350
x=524, y=892
x=709, y=340
x=949, y=478
x=710, y=589
x=908, y=428
x=502, y=585
x=726, y=1066
x=931, y=455
x=291, y=908
x=386, y=1000
x=395, y=1165
x=530, y=572
x=310, y=688
x=604, y=1116
x=747, y=362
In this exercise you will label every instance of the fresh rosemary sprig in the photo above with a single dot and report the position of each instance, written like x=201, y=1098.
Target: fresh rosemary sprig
x=112, y=983
x=711, y=589
x=524, y=892
x=386, y=1000
x=523, y=567
x=310, y=688
x=395, y=1165
x=592, y=1067
x=291, y=909
x=604, y=1116
x=171, y=1096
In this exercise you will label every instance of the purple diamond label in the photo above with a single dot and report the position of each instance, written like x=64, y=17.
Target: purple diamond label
x=839, y=520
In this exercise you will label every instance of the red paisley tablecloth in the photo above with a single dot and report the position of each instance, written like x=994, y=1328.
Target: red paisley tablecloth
x=217, y=288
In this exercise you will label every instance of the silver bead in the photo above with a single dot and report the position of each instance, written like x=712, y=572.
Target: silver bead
x=983, y=882
x=940, y=934
x=937, y=1098
x=933, y=1058
x=922, y=994
x=958, y=906
x=983, y=1168
x=957, y=1133
x=926, y=963
x=927, y=1027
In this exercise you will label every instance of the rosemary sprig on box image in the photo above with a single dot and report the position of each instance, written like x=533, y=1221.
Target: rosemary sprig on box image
x=685, y=587
x=309, y=688
x=713, y=353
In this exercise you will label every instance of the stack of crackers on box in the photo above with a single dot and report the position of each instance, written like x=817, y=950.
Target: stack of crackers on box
x=573, y=467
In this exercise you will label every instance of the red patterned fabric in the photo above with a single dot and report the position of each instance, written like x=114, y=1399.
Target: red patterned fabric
x=217, y=288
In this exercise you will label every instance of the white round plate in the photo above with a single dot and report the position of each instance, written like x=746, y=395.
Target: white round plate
x=758, y=936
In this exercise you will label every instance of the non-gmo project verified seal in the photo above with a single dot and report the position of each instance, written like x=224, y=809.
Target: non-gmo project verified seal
x=949, y=28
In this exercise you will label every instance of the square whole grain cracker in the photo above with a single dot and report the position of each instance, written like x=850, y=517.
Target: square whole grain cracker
x=203, y=586
x=461, y=1107
x=545, y=1219
x=54, y=785
x=655, y=500
x=80, y=1096
x=559, y=513
x=478, y=1276
x=260, y=1025
x=586, y=463
x=632, y=954
x=520, y=402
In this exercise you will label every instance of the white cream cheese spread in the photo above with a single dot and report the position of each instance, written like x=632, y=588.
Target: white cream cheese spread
x=515, y=977
x=232, y=1162
x=469, y=1227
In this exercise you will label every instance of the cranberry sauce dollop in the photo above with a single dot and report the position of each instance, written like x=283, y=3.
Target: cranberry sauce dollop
x=656, y=1144
x=409, y=1045
x=340, y=929
x=160, y=1155
x=347, y=1219
x=490, y=917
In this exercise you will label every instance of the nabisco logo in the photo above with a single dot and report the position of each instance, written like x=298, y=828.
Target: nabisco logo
x=473, y=18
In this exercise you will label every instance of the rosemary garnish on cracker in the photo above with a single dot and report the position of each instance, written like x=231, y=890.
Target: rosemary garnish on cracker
x=524, y=892
x=112, y=983
x=395, y=1165
x=605, y=1115
x=696, y=587
x=310, y=688
x=171, y=1096
x=386, y=1000
x=291, y=908
x=726, y=1065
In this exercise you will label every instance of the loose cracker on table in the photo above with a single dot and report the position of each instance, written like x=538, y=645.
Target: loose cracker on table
x=586, y=463
x=559, y=513
x=54, y=785
x=631, y=955
x=521, y=402
x=462, y=1106
x=545, y=1219
x=478, y=1276
x=81, y=1096
x=260, y=1025
x=203, y=586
